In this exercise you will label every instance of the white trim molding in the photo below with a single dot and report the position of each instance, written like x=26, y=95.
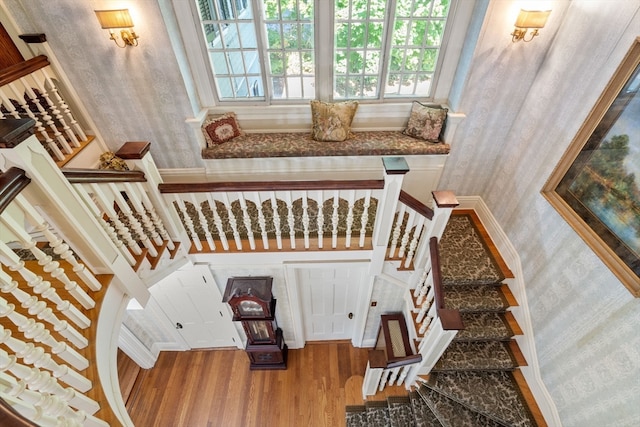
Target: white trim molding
x=516, y=285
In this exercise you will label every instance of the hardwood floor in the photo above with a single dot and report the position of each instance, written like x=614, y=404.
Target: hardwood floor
x=216, y=388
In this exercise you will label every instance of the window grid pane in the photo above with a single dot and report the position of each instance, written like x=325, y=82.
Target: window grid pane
x=418, y=31
x=290, y=48
x=359, y=31
x=232, y=45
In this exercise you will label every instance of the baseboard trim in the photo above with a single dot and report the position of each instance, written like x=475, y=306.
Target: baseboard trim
x=134, y=348
x=517, y=286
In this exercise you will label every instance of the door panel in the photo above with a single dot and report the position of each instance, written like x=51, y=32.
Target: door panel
x=328, y=297
x=194, y=304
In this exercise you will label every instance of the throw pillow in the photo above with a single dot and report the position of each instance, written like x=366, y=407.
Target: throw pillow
x=426, y=122
x=218, y=130
x=332, y=121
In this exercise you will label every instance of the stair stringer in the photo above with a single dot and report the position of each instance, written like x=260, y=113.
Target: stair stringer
x=516, y=285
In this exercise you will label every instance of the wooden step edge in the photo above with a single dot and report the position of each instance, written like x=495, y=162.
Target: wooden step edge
x=75, y=151
x=172, y=253
x=508, y=296
x=286, y=246
x=516, y=353
x=154, y=260
x=512, y=323
x=502, y=265
x=528, y=398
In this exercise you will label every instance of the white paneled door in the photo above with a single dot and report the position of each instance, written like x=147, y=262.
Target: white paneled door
x=193, y=302
x=328, y=297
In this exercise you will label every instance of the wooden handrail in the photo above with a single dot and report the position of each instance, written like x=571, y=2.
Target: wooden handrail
x=10, y=418
x=450, y=319
x=416, y=205
x=91, y=176
x=12, y=182
x=212, y=187
x=17, y=71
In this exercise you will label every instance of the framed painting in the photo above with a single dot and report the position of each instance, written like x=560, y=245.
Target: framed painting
x=596, y=185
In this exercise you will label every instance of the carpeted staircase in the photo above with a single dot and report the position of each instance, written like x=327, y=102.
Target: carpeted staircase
x=474, y=383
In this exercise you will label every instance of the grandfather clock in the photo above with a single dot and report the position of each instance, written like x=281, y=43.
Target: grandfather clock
x=253, y=305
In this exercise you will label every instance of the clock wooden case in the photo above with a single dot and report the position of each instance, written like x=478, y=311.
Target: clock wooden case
x=253, y=305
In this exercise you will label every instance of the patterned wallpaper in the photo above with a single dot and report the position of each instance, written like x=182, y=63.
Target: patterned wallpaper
x=134, y=94
x=524, y=104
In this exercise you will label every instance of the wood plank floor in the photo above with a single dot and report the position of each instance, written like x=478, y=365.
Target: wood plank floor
x=216, y=388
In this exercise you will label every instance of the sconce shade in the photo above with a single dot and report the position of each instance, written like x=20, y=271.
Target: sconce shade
x=532, y=18
x=117, y=18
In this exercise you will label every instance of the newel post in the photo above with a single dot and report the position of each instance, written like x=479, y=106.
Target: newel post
x=137, y=156
x=60, y=203
x=395, y=168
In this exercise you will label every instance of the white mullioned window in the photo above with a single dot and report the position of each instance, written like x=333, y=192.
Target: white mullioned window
x=291, y=51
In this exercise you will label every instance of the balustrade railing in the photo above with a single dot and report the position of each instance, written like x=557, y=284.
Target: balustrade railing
x=262, y=216
x=46, y=299
x=120, y=202
x=29, y=90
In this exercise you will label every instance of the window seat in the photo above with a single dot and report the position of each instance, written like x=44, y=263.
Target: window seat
x=300, y=144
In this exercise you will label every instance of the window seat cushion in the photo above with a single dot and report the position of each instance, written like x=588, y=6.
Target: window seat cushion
x=300, y=144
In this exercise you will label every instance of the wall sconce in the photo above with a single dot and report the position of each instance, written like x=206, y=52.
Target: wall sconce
x=529, y=20
x=118, y=18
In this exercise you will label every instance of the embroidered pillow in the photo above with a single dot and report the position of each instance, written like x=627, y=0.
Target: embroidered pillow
x=218, y=130
x=426, y=122
x=332, y=121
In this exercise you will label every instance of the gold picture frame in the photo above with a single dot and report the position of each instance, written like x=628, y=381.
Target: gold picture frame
x=596, y=185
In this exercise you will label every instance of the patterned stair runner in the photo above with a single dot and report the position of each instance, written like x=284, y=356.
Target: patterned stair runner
x=490, y=393
x=471, y=385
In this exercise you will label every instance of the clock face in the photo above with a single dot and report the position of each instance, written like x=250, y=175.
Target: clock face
x=250, y=308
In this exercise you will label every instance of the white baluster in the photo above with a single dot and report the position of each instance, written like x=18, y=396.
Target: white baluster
x=46, y=117
x=351, y=202
x=414, y=241
x=218, y=222
x=335, y=219
x=32, y=413
x=276, y=220
x=59, y=100
x=424, y=325
x=51, y=106
x=203, y=222
x=136, y=202
x=403, y=374
x=188, y=223
x=38, y=124
x=93, y=205
x=320, y=218
x=42, y=287
x=365, y=218
x=305, y=219
x=155, y=218
x=37, y=357
x=232, y=221
x=51, y=404
x=262, y=222
x=37, y=332
x=131, y=218
x=38, y=308
x=428, y=284
x=406, y=234
x=48, y=265
x=394, y=375
x=43, y=381
x=290, y=219
x=396, y=230
x=420, y=284
x=384, y=378
x=106, y=204
x=246, y=219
